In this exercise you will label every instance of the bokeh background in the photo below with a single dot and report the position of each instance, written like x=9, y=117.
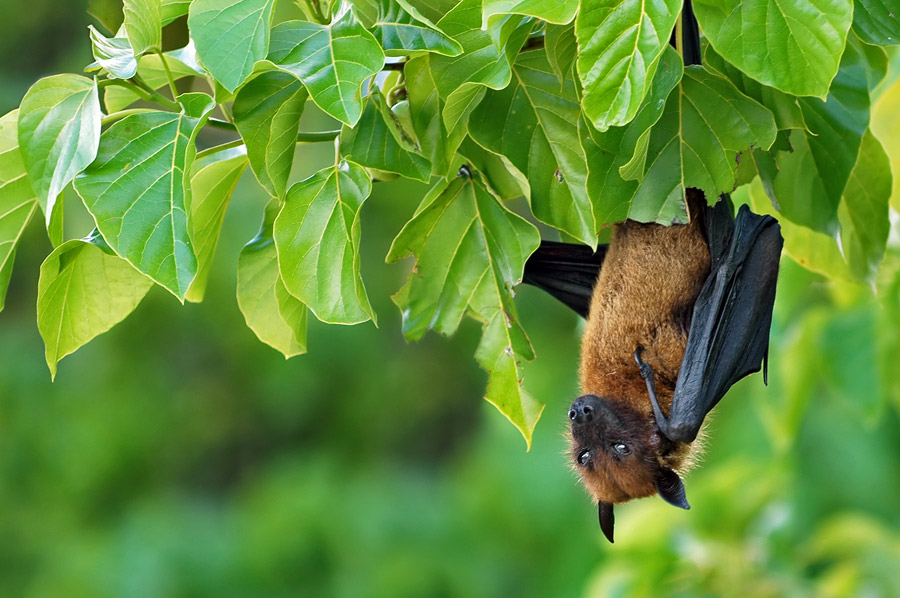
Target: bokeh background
x=178, y=456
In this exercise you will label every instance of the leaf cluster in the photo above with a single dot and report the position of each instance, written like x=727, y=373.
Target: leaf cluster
x=583, y=108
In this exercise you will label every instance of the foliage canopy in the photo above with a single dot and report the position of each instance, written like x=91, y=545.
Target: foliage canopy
x=582, y=107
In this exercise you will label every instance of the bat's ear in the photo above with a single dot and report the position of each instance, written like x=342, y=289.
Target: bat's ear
x=671, y=488
x=607, y=519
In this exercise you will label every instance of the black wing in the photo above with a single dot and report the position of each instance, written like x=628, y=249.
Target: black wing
x=566, y=271
x=729, y=334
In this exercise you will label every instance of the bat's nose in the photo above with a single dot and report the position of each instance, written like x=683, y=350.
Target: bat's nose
x=582, y=411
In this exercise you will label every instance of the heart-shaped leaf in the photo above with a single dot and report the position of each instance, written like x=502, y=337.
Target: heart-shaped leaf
x=470, y=252
x=213, y=180
x=138, y=191
x=113, y=54
x=17, y=200
x=534, y=123
x=230, y=36
x=84, y=290
x=267, y=113
x=272, y=313
x=59, y=132
x=619, y=47
x=792, y=45
x=379, y=141
x=332, y=62
x=143, y=24
x=317, y=237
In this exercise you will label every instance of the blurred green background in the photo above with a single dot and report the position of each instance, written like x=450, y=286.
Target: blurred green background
x=178, y=456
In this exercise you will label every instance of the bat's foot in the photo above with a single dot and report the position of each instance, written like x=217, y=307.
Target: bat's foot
x=647, y=374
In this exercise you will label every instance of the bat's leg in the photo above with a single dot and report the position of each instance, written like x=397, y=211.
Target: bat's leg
x=647, y=374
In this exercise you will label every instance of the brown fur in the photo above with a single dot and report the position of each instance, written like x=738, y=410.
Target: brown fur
x=644, y=296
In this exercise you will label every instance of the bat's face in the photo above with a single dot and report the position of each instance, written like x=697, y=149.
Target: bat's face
x=615, y=450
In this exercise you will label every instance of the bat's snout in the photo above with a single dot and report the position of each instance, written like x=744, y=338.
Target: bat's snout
x=584, y=409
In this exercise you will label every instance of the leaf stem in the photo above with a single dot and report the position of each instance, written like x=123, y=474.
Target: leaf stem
x=169, y=76
x=679, y=41
x=220, y=148
x=117, y=116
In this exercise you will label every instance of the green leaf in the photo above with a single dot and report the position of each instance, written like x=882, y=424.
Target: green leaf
x=611, y=150
x=332, y=62
x=885, y=124
x=620, y=44
x=561, y=48
x=174, y=9
x=274, y=315
x=267, y=112
x=534, y=123
x=230, y=36
x=785, y=108
x=551, y=11
x=143, y=24
x=811, y=180
x=863, y=212
x=113, y=54
x=17, y=200
x=792, y=45
x=425, y=106
x=500, y=176
x=877, y=21
x=83, y=291
x=470, y=252
x=460, y=79
x=317, y=237
x=59, y=131
x=685, y=149
x=213, y=180
x=138, y=191
x=379, y=141
x=400, y=34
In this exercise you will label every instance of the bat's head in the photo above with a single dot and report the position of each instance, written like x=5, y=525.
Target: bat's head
x=620, y=454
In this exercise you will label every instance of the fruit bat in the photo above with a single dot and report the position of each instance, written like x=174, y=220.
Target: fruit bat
x=675, y=316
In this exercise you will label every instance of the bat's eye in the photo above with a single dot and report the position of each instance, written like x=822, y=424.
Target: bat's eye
x=584, y=457
x=622, y=449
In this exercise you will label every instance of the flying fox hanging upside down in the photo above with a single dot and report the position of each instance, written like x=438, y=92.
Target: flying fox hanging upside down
x=675, y=316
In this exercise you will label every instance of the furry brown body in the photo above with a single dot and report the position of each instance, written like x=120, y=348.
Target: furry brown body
x=643, y=298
